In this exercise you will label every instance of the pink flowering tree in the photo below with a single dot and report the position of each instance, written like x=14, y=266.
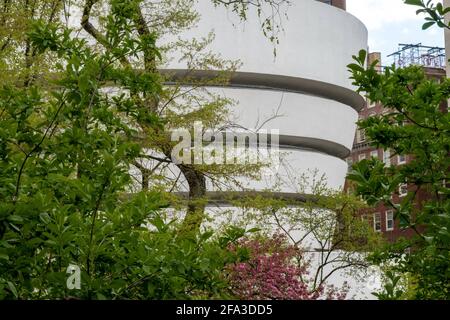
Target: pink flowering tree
x=275, y=270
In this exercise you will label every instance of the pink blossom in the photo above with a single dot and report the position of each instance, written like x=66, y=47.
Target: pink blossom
x=275, y=271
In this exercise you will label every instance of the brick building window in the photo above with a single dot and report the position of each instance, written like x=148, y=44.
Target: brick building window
x=387, y=158
x=403, y=190
x=401, y=159
x=377, y=221
x=362, y=157
x=444, y=187
x=374, y=154
x=349, y=164
x=362, y=135
x=389, y=220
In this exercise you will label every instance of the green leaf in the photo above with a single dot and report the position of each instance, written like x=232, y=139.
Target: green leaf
x=428, y=25
x=414, y=2
x=253, y=230
x=15, y=218
x=45, y=218
x=4, y=256
x=355, y=67
x=362, y=56
x=13, y=289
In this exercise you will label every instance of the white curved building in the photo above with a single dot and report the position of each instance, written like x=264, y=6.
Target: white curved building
x=307, y=83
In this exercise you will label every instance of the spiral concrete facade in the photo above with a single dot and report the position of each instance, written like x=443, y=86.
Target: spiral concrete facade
x=306, y=83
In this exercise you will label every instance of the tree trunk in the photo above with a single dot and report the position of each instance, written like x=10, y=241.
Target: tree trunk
x=196, y=204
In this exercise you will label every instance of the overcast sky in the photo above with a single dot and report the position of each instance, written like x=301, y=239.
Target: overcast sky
x=391, y=22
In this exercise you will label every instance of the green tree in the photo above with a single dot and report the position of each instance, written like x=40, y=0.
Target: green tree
x=66, y=149
x=325, y=225
x=19, y=62
x=185, y=100
x=416, y=123
x=64, y=163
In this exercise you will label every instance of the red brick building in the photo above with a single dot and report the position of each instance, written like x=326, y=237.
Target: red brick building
x=381, y=216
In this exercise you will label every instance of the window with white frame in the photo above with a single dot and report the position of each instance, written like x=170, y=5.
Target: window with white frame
x=435, y=80
x=389, y=220
x=362, y=157
x=403, y=189
x=444, y=186
x=361, y=135
x=349, y=164
x=387, y=158
x=401, y=159
x=377, y=221
x=374, y=154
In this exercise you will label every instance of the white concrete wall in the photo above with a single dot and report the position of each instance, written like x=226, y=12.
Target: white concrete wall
x=286, y=175
x=297, y=114
x=318, y=42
